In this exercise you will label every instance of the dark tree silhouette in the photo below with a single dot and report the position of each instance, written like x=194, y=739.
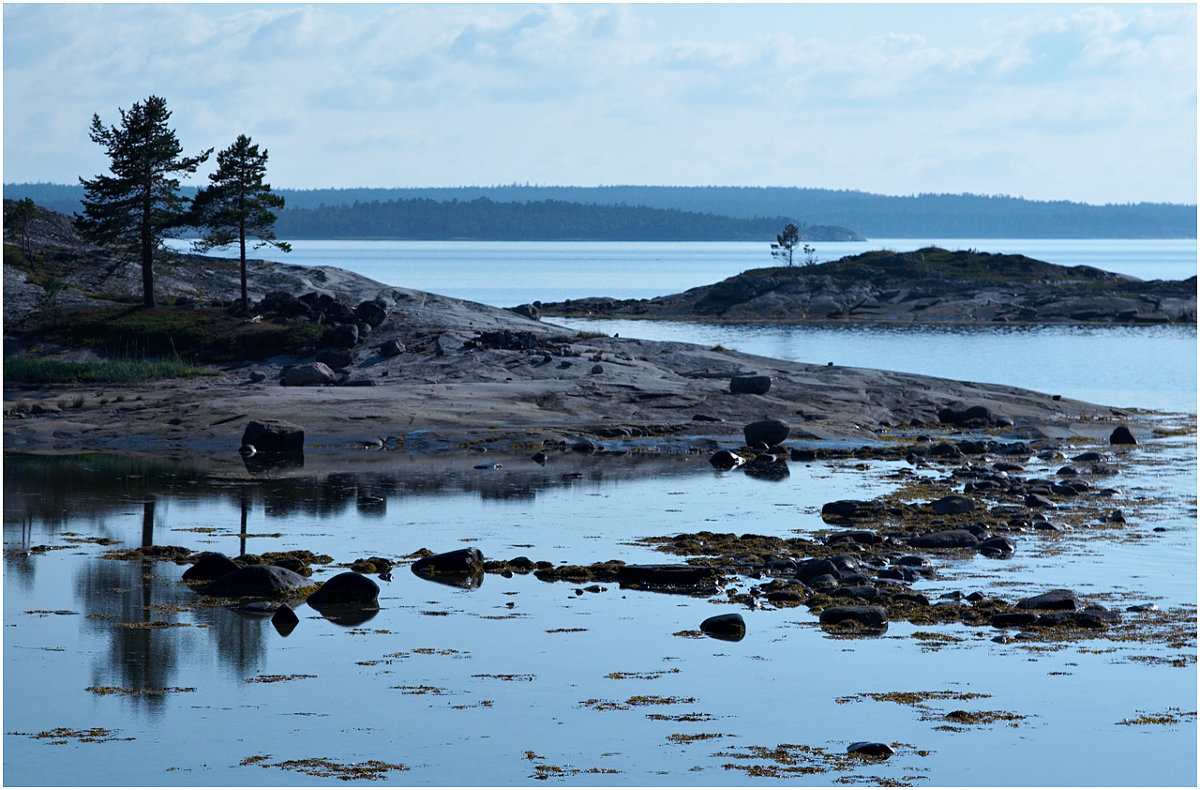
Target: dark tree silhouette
x=135, y=206
x=238, y=205
x=784, y=246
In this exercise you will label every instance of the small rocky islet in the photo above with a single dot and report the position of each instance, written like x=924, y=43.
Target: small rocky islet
x=930, y=285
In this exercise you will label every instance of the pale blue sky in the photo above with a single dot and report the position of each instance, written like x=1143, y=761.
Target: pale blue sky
x=1095, y=103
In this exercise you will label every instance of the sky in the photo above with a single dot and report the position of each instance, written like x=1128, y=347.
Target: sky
x=1083, y=102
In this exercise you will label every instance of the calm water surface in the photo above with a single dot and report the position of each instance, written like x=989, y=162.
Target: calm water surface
x=483, y=686
x=512, y=273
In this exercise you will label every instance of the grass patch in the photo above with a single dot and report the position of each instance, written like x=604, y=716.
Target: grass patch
x=197, y=334
x=118, y=371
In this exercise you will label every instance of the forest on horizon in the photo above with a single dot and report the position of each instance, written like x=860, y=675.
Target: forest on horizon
x=524, y=212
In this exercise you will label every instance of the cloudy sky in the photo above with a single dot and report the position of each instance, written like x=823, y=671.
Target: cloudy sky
x=1094, y=103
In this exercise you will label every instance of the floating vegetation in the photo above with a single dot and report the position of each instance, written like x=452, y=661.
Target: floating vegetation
x=642, y=675
x=565, y=630
x=445, y=651
x=177, y=554
x=507, y=677
x=982, y=717
x=107, y=690
x=1169, y=716
x=45, y=612
x=911, y=697
x=483, y=703
x=600, y=704
x=684, y=738
x=276, y=678
x=789, y=759
x=371, y=770
x=656, y=700
x=154, y=625
x=432, y=690
x=62, y=735
x=682, y=717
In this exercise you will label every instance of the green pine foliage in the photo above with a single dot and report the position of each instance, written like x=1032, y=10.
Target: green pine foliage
x=238, y=204
x=134, y=207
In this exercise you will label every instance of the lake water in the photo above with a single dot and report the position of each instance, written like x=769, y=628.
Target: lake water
x=512, y=273
x=115, y=676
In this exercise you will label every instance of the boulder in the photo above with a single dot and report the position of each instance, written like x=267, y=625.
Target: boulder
x=285, y=620
x=725, y=459
x=850, y=508
x=371, y=312
x=335, y=357
x=460, y=562
x=284, y=304
x=1054, y=600
x=1122, y=435
x=312, y=374
x=769, y=432
x=274, y=436
x=346, y=589
x=870, y=617
x=945, y=539
x=750, y=385
x=811, y=569
x=256, y=581
x=210, y=566
x=954, y=416
x=340, y=336
x=1014, y=620
x=953, y=505
x=665, y=575
x=871, y=749
x=391, y=348
x=1000, y=546
x=729, y=627
x=528, y=310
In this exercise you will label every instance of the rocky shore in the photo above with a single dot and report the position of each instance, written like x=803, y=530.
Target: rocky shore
x=399, y=368
x=930, y=285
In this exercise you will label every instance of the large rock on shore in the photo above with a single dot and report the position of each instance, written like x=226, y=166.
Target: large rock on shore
x=271, y=435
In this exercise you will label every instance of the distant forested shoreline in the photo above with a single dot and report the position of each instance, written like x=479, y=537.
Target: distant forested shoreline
x=706, y=213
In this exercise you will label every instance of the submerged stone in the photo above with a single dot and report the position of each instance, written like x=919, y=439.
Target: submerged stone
x=729, y=627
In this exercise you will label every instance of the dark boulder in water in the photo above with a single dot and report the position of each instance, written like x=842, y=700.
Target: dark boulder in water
x=998, y=547
x=1058, y=600
x=285, y=620
x=869, y=617
x=209, y=567
x=256, y=581
x=1122, y=435
x=871, y=749
x=346, y=589
x=726, y=459
x=729, y=627
x=459, y=568
x=945, y=539
x=953, y=505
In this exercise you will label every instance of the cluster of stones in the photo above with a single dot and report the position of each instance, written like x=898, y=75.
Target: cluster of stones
x=335, y=353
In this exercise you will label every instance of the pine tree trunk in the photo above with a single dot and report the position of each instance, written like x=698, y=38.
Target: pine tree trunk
x=147, y=261
x=242, y=242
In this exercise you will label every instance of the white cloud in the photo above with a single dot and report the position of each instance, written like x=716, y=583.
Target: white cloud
x=892, y=98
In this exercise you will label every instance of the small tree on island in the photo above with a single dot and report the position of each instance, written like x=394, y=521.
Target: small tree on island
x=135, y=206
x=784, y=247
x=237, y=205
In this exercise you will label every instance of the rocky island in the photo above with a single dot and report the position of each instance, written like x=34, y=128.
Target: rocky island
x=930, y=285
x=359, y=363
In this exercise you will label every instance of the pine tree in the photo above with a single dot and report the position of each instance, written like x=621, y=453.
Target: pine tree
x=785, y=247
x=135, y=206
x=237, y=205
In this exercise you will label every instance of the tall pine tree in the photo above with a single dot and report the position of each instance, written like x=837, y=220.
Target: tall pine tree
x=237, y=205
x=135, y=206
